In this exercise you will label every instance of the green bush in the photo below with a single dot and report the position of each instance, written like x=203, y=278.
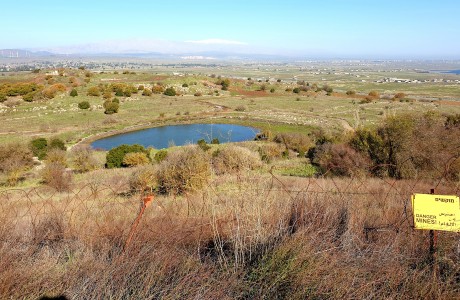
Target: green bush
x=170, y=92
x=160, y=156
x=203, y=145
x=84, y=105
x=73, y=93
x=114, y=158
x=39, y=147
x=56, y=143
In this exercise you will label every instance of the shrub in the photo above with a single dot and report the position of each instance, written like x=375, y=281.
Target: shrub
x=187, y=169
x=73, y=93
x=295, y=141
x=147, y=92
x=374, y=94
x=3, y=97
x=144, y=178
x=184, y=85
x=111, y=107
x=15, y=158
x=399, y=96
x=56, y=156
x=51, y=91
x=114, y=158
x=140, y=88
x=56, y=176
x=198, y=94
x=170, y=92
x=39, y=147
x=56, y=143
x=215, y=141
x=272, y=90
x=233, y=159
x=240, y=108
x=270, y=151
x=296, y=90
x=94, y=91
x=158, y=89
x=84, y=105
x=82, y=159
x=351, y=93
x=341, y=160
x=203, y=145
x=160, y=156
x=135, y=159
x=29, y=97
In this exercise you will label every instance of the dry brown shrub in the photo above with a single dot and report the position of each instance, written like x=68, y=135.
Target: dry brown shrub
x=82, y=158
x=144, y=178
x=187, y=169
x=55, y=175
x=57, y=156
x=270, y=151
x=232, y=159
x=341, y=160
x=15, y=158
x=295, y=141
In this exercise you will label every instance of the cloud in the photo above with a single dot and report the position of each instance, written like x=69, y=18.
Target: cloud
x=216, y=42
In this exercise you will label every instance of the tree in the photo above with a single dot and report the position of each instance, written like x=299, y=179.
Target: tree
x=170, y=92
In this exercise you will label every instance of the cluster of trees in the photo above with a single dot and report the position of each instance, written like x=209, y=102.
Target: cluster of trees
x=405, y=146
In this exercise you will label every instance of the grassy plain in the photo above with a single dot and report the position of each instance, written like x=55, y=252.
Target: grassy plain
x=258, y=228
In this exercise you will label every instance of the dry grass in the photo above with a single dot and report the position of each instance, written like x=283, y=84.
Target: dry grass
x=245, y=236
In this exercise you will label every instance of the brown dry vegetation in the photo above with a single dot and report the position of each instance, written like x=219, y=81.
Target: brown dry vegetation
x=244, y=236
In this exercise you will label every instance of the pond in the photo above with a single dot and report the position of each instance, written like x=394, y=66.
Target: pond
x=178, y=135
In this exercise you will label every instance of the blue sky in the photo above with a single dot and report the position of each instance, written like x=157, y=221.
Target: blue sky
x=334, y=28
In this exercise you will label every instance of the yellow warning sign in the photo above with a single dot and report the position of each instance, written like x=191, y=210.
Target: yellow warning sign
x=436, y=212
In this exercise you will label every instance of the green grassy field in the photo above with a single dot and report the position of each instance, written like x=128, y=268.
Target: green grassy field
x=280, y=111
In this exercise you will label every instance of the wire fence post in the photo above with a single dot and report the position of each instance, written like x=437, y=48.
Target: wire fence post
x=433, y=246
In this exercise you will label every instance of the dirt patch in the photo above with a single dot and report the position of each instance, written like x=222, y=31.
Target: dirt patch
x=248, y=93
x=449, y=103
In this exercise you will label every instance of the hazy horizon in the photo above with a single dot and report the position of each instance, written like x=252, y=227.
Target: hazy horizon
x=329, y=29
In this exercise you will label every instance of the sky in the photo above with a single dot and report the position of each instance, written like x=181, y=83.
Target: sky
x=409, y=29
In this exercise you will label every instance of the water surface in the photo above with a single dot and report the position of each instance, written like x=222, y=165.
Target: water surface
x=178, y=135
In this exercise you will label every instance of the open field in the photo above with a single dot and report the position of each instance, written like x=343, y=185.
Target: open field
x=319, y=208
x=61, y=117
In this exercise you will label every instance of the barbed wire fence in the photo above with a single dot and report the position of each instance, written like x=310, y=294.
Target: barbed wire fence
x=95, y=207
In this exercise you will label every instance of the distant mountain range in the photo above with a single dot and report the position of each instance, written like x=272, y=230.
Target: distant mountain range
x=205, y=55
x=20, y=53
